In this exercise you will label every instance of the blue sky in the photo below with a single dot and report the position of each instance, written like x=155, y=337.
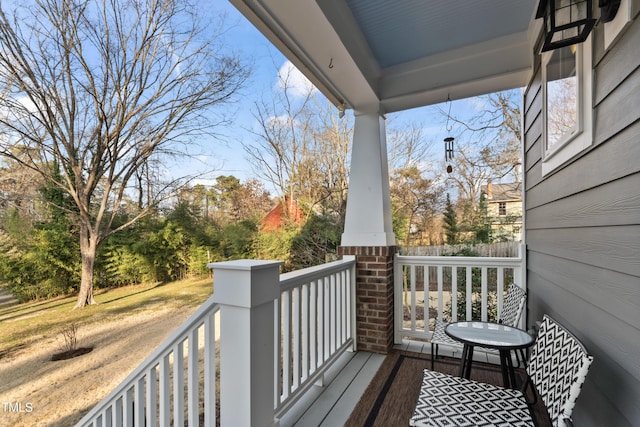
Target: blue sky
x=226, y=155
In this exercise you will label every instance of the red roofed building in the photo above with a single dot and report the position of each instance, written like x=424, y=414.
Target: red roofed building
x=286, y=211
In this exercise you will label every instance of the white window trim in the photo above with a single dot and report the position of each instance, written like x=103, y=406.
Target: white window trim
x=569, y=148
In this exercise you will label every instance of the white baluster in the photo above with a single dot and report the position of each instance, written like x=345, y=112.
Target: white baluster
x=151, y=400
x=178, y=384
x=210, y=371
x=193, y=374
x=165, y=392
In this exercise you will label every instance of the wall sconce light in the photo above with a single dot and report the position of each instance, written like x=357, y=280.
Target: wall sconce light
x=566, y=22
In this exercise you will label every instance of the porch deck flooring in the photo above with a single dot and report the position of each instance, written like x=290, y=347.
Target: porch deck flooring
x=332, y=404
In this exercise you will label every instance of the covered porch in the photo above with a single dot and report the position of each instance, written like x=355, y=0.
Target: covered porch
x=581, y=222
x=283, y=338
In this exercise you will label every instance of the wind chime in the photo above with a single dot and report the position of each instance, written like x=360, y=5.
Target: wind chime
x=448, y=143
x=448, y=152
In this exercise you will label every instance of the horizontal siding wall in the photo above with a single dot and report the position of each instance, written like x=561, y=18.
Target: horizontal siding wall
x=582, y=226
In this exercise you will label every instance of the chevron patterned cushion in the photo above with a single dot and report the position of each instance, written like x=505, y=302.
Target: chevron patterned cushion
x=557, y=367
x=445, y=400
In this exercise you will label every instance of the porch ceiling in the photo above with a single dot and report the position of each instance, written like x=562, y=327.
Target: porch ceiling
x=382, y=55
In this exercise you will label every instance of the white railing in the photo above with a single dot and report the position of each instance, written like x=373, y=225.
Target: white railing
x=154, y=393
x=316, y=325
x=451, y=288
x=175, y=384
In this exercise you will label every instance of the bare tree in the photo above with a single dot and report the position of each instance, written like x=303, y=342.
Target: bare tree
x=103, y=88
x=493, y=135
x=408, y=147
x=329, y=157
x=488, y=147
x=283, y=135
x=415, y=192
x=303, y=147
x=562, y=117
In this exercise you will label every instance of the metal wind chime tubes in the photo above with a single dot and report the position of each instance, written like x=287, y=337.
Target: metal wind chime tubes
x=448, y=152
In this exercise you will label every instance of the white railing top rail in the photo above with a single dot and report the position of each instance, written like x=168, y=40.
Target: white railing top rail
x=179, y=335
x=306, y=275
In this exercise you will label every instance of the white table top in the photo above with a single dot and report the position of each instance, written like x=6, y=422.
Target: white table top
x=487, y=334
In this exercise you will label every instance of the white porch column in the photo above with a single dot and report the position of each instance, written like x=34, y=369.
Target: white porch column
x=245, y=290
x=368, y=216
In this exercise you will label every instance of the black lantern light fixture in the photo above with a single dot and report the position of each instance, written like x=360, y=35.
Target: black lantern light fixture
x=566, y=22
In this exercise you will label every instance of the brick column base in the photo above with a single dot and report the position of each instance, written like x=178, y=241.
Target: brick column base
x=374, y=296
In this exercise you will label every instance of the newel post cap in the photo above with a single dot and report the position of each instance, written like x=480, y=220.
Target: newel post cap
x=246, y=283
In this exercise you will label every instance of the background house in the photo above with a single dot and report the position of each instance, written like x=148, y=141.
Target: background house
x=503, y=204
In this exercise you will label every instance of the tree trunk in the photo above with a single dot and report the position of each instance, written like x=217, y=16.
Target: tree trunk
x=88, y=250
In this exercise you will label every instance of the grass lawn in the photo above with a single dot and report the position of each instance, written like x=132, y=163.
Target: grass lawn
x=21, y=324
x=124, y=327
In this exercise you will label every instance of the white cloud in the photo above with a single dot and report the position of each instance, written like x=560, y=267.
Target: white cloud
x=478, y=103
x=281, y=121
x=24, y=107
x=291, y=79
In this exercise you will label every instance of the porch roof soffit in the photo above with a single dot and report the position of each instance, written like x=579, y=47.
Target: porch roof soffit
x=385, y=56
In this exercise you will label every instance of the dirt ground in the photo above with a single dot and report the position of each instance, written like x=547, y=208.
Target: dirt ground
x=35, y=391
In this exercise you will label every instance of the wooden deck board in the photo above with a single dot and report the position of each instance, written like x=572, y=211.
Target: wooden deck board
x=344, y=406
x=331, y=404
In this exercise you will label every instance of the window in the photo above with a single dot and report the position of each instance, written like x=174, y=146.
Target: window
x=567, y=104
x=562, y=96
x=502, y=208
